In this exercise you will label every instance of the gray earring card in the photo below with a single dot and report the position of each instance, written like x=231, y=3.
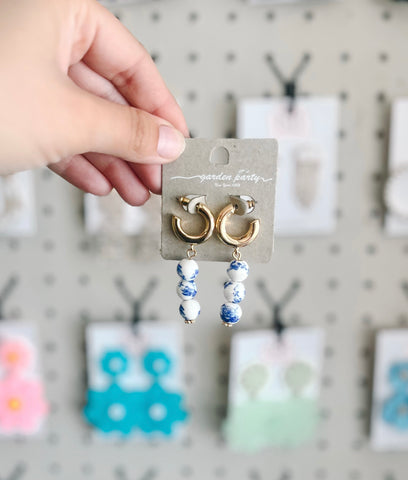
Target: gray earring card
x=218, y=169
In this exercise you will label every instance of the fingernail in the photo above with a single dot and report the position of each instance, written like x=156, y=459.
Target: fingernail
x=171, y=143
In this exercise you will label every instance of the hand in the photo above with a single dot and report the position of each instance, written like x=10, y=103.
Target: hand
x=80, y=94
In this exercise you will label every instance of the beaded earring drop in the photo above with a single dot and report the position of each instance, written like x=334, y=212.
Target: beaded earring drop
x=234, y=290
x=187, y=269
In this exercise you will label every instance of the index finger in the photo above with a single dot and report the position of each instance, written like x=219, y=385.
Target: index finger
x=116, y=55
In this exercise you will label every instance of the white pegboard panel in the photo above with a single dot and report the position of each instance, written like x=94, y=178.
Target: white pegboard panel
x=212, y=53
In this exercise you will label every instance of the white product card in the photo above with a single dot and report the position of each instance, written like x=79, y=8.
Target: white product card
x=103, y=337
x=134, y=379
x=389, y=418
x=23, y=407
x=307, y=162
x=396, y=190
x=274, y=387
x=263, y=347
x=112, y=214
x=17, y=205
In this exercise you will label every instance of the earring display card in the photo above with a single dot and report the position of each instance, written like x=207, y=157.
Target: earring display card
x=17, y=205
x=112, y=214
x=218, y=169
x=134, y=380
x=23, y=407
x=308, y=150
x=118, y=228
x=274, y=388
x=389, y=418
x=396, y=189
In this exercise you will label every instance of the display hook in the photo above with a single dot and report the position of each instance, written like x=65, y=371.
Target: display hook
x=6, y=292
x=17, y=473
x=405, y=288
x=276, y=308
x=289, y=85
x=136, y=303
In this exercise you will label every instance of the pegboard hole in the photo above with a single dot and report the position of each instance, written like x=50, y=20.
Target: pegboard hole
x=220, y=472
x=321, y=474
x=386, y=15
x=87, y=469
x=270, y=16
x=309, y=15
x=193, y=17
x=219, y=156
x=14, y=244
x=186, y=471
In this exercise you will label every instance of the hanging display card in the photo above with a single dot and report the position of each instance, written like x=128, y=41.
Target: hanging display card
x=134, y=380
x=306, y=192
x=396, y=188
x=17, y=205
x=23, y=407
x=274, y=388
x=218, y=169
x=389, y=418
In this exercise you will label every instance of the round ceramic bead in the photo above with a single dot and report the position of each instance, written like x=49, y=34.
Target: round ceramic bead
x=186, y=290
x=234, y=292
x=189, y=310
x=230, y=313
x=187, y=269
x=238, y=270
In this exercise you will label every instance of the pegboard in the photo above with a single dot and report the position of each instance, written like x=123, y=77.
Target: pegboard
x=212, y=53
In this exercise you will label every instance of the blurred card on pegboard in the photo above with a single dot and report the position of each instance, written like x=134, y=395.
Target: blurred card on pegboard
x=306, y=190
x=389, y=417
x=134, y=380
x=17, y=205
x=274, y=388
x=396, y=186
x=23, y=407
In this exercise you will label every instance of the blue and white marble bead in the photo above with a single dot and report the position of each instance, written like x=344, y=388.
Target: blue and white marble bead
x=230, y=313
x=189, y=310
x=234, y=292
x=187, y=269
x=186, y=290
x=238, y=270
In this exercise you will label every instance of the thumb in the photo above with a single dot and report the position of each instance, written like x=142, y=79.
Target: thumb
x=123, y=131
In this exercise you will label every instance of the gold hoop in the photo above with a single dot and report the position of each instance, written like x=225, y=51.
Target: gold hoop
x=192, y=204
x=228, y=239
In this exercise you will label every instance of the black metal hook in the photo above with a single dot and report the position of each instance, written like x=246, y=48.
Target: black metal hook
x=17, y=473
x=120, y=474
x=405, y=288
x=289, y=85
x=136, y=303
x=276, y=307
x=6, y=292
x=149, y=474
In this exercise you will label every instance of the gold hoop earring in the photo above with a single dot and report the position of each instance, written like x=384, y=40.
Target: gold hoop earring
x=187, y=269
x=194, y=204
x=234, y=290
x=240, y=205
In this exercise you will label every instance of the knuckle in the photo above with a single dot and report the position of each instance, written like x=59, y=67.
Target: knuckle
x=124, y=78
x=141, y=134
